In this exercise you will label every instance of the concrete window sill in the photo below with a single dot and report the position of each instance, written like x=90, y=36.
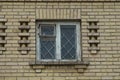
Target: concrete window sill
x=78, y=65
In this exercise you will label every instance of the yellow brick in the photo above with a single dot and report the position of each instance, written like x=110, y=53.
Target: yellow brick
x=22, y=78
x=59, y=78
x=46, y=78
x=2, y=78
x=34, y=78
x=10, y=78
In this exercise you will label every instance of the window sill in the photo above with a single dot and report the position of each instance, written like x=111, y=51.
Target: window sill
x=58, y=63
x=80, y=66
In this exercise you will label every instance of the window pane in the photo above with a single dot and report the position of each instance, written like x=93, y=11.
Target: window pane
x=47, y=48
x=47, y=30
x=68, y=47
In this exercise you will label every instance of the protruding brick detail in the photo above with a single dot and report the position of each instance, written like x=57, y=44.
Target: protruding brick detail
x=93, y=41
x=24, y=35
x=3, y=35
x=24, y=27
x=93, y=36
x=3, y=20
x=93, y=48
x=23, y=42
x=3, y=41
x=23, y=49
x=24, y=20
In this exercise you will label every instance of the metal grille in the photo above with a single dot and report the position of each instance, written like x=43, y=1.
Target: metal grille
x=47, y=40
x=68, y=47
x=47, y=48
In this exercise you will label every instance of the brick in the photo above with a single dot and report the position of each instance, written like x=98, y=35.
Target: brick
x=3, y=20
x=38, y=70
x=2, y=78
x=34, y=78
x=59, y=78
x=46, y=78
x=22, y=78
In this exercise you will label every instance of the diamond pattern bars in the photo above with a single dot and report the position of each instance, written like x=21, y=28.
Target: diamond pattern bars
x=48, y=49
x=68, y=49
x=47, y=41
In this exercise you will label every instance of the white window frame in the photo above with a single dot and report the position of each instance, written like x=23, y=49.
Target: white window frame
x=58, y=41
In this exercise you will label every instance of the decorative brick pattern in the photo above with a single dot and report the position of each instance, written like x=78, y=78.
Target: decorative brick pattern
x=2, y=35
x=24, y=35
x=93, y=36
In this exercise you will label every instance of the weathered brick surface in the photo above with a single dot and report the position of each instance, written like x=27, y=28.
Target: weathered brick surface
x=103, y=65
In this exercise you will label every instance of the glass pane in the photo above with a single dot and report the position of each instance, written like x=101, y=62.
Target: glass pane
x=68, y=47
x=47, y=48
x=47, y=30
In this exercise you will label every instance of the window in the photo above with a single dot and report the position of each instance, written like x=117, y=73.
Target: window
x=58, y=41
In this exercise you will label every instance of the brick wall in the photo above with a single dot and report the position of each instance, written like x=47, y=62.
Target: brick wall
x=104, y=64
